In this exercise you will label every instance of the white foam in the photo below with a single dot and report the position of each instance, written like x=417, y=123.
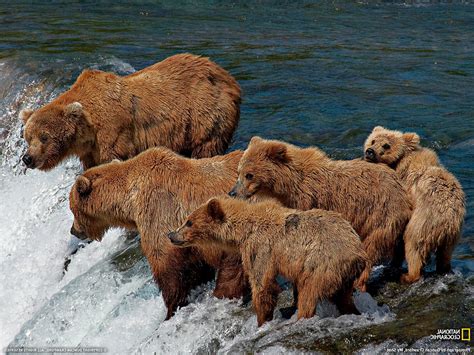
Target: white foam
x=33, y=226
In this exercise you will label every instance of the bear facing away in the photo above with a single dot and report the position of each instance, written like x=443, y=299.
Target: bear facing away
x=317, y=250
x=153, y=193
x=185, y=102
x=370, y=197
x=439, y=199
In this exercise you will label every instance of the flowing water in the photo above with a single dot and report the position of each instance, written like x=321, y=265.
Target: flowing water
x=312, y=74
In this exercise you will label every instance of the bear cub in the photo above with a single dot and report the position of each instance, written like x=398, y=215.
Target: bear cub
x=439, y=199
x=317, y=250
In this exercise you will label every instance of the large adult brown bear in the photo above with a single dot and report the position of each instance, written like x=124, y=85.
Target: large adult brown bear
x=186, y=103
x=153, y=193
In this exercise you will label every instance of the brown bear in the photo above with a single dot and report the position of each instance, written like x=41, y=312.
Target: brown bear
x=370, y=197
x=439, y=199
x=186, y=103
x=317, y=250
x=153, y=193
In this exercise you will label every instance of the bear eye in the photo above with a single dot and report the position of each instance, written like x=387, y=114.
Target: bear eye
x=249, y=176
x=43, y=138
x=373, y=142
x=188, y=223
x=386, y=146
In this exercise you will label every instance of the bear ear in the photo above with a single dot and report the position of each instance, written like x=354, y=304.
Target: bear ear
x=83, y=186
x=378, y=128
x=75, y=109
x=25, y=115
x=214, y=210
x=278, y=152
x=411, y=139
x=256, y=139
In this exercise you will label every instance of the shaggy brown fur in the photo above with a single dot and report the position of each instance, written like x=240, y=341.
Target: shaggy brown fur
x=439, y=199
x=370, y=197
x=317, y=250
x=186, y=103
x=153, y=193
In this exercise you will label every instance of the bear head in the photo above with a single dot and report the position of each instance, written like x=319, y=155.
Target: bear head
x=264, y=165
x=51, y=132
x=200, y=226
x=98, y=201
x=389, y=147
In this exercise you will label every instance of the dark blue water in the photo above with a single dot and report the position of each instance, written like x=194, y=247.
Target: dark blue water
x=312, y=74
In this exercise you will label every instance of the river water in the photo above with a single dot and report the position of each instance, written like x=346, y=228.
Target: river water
x=312, y=74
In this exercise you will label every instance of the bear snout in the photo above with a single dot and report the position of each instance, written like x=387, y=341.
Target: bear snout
x=78, y=234
x=173, y=236
x=28, y=161
x=236, y=190
x=233, y=192
x=370, y=154
x=239, y=191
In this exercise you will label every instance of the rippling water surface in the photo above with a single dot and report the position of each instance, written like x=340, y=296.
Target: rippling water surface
x=312, y=74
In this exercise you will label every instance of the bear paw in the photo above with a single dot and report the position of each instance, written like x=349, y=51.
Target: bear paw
x=406, y=279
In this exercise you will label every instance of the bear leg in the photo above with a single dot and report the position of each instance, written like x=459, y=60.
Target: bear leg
x=345, y=302
x=88, y=162
x=415, y=263
x=262, y=274
x=361, y=283
x=379, y=244
x=443, y=258
x=264, y=294
x=178, y=274
x=174, y=295
x=399, y=255
x=264, y=302
x=308, y=297
x=231, y=280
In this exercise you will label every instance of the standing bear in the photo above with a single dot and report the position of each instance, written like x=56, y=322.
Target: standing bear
x=317, y=250
x=370, y=197
x=153, y=193
x=186, y=103
x=439, y=199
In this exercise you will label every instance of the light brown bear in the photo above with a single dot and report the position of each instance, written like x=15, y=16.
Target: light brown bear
x=186, y=103
x=439, y=199
x=153, y=193
x=370, y=197
x=317, y=250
